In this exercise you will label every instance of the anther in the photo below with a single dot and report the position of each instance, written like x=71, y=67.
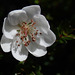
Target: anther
x=18, y=30
x=18, y=44
x=32, y=34
x=26, y=30
x=36, y=30
x=34, y=27
x=36, y=33
x=16, y=41
x=26, y=44
x=22, y=38
x=17, y=34
x=31, y=20
x=25, y=23
x=21, y=32
x=33, y=39
x=28, y=41
x=40, y=33
x=33, y=24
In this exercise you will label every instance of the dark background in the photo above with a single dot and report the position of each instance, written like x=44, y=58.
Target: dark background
x=60, y=59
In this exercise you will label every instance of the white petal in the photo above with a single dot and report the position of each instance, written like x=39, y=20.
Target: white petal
x=19, y=52
x=46, y=39
x=36, y=49
x=17, y=16
x=32, y=10
x=8, y=30
x=41, y=23
x=5, y=44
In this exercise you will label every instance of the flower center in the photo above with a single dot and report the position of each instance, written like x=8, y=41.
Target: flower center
x=26, y=30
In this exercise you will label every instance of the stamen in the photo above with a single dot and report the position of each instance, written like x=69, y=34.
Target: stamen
x=26, y=30
x=36, y=33
x=16, y=41
x=28, y=41
x=22, y=38
x=33, y=24
x=40, y=33
x=29, y=23
x=33, y=39
x=25, y=38
x=17, y=34
x=18, y=30
x=25, y=23
x=31, y=20
x=36, y=30
x=34, y=27
x=18, y=44
x=26, y=44
x=21, y=32
x=32, y=34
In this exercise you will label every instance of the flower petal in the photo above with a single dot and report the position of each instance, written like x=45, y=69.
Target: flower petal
x=17, y=16
x=18, y=50
x=36, y=49
x=8, y=30
x=41, y=23
x=5, y=44
x=32, y=10
x=46, y=39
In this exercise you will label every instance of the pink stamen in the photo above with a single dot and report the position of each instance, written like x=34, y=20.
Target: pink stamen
x=32, y=34
x=36, y=30
x=36, y=33
x=22, y=38
x=25, y=32
x=33, y=39
x=34, y=27
x=16, y=41
x=33, y=24
x=31, y=20
x=26, y=44
x=17, y=34
x=21, y=32
x=25, y=23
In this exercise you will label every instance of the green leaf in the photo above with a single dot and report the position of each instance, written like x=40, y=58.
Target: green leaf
x=72, y=36
x=61, y=41
x=64, y=33
x=66, y=38
x=32, y=73
x=21, y=62
x=36, y=1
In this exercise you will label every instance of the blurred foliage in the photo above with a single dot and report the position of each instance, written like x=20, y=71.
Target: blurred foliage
x=60, y=58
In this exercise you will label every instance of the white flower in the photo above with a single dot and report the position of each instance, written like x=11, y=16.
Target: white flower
x=26, y=30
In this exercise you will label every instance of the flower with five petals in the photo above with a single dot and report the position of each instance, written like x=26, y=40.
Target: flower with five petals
x=26, y=30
